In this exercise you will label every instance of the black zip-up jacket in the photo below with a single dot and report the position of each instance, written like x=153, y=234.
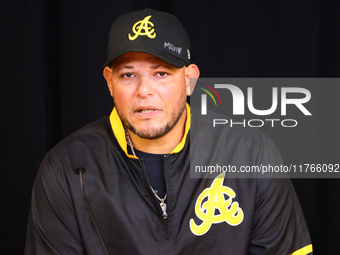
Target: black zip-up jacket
x=231, y=216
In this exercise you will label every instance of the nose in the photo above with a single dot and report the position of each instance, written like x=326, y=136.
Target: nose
x=145, y=87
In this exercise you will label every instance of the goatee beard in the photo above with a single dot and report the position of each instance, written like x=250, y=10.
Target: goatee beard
x=155, y=134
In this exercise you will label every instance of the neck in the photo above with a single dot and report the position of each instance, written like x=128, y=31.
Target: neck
x=164, y=144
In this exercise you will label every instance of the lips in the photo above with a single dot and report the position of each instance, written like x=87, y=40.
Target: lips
x=146, y=109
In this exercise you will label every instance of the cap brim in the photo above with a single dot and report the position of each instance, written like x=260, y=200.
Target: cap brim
x=170, y=59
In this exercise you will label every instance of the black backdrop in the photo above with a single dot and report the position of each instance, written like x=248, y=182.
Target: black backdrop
x=51, y=80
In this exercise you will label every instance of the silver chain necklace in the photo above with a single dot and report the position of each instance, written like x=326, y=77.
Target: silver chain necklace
x=162, y=203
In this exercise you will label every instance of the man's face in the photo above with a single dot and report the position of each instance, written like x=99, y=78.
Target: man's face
x=149, y=94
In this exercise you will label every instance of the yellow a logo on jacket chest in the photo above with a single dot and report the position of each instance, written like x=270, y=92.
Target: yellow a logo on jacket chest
x=212, y=208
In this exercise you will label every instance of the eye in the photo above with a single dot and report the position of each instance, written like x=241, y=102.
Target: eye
x=162, y=74
x=127, y=75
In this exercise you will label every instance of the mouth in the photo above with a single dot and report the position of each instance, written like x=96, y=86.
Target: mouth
x=146, y=109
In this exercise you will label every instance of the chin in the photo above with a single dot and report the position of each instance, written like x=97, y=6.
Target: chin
x=152, y=133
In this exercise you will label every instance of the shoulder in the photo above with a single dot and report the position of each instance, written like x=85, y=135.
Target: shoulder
x=246, y=150
x=205, y=128
x=96, y=137
x=93, y=135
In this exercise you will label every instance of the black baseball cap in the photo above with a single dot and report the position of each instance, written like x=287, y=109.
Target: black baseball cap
x=149, y=31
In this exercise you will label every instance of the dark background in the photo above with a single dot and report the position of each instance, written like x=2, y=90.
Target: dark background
x=51, y=81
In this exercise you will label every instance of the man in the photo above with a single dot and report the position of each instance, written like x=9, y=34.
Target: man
x=122, y=185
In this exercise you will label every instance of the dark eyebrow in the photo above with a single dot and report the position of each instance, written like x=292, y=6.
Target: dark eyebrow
x=161, y=65
x=125, y=67
x=152, y=67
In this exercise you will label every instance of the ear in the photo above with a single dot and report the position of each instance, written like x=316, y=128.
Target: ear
x=107, y=73
x=191, y=74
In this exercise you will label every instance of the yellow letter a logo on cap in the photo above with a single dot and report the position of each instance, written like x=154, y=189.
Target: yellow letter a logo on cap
x=143, y=27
